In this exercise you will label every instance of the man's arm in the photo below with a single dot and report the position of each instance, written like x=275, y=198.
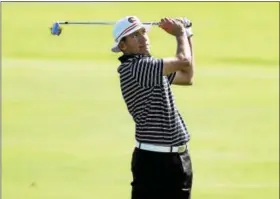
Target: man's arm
x=185, y=76
x=182, y=60
x=149, y=72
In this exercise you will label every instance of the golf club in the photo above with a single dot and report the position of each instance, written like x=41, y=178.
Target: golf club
x=56, y=28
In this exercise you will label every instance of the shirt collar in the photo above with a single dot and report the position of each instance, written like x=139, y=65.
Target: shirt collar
x=125, y=58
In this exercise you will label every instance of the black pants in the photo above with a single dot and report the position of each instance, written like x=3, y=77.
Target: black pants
x=161, y=175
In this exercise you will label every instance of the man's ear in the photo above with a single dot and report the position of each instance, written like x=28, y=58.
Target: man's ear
x=122, y=46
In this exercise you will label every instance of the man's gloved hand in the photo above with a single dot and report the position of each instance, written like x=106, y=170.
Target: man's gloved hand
x=187, y=24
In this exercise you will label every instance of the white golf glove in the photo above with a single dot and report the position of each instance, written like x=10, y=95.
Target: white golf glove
x=187, y=23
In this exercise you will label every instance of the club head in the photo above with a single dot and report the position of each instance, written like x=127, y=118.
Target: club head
x=56, y=29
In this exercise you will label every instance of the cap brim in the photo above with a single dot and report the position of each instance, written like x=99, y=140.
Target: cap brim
x=116, y=48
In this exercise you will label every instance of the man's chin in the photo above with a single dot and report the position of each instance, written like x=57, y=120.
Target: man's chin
x=145, y=51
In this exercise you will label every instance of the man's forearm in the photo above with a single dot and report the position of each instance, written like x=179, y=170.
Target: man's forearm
x=190, y=70
x=183, y=47
x=184, y=76
x=188, y=50
x=190, y=46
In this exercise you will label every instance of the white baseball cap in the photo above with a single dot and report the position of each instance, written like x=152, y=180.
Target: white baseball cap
x=124, y=27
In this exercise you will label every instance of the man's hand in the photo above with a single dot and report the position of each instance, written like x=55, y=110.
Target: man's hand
x=187, y=24
x=173, y=27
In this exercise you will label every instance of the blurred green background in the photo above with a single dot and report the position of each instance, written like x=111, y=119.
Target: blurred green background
x=66, y=132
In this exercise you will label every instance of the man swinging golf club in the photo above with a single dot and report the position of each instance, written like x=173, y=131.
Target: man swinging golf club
x=161, y=164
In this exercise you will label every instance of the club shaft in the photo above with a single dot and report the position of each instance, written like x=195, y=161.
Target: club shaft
x=98, y=22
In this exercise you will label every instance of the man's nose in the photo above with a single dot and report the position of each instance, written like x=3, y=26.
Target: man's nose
x=143, y=38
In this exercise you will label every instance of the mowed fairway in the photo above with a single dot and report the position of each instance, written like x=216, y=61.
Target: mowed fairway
x=66, y=133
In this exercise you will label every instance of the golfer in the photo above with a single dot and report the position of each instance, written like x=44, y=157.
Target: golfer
x=161, y=165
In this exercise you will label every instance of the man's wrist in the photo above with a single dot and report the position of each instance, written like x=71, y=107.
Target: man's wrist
x=182, y=33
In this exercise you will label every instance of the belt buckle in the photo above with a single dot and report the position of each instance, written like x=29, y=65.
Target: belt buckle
x=182, y=148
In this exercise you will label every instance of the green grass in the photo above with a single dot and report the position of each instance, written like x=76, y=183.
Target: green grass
x=66, y=133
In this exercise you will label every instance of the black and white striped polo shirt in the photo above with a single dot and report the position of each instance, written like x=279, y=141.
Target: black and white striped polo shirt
x=150, y=102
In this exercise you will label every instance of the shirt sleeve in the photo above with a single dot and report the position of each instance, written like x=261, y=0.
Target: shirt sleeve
x=148, y=71
x=171, y=77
